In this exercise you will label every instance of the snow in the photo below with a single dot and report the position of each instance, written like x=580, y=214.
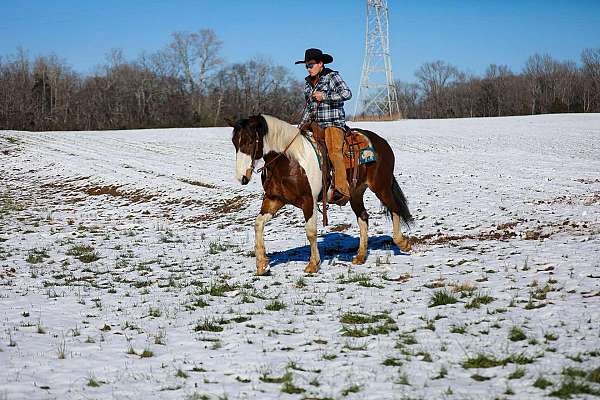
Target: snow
x=509, y=206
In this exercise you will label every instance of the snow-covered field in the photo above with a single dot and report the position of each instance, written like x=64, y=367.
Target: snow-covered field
x=127, y=270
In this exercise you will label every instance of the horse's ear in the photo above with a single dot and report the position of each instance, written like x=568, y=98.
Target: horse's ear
x=230, y=122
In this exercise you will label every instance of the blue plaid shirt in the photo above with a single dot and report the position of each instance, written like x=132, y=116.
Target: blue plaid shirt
x=330, y=111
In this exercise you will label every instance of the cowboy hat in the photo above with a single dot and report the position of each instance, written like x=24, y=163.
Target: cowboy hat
x=317, y=55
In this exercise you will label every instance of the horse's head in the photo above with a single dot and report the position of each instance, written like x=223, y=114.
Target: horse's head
x=248, y=134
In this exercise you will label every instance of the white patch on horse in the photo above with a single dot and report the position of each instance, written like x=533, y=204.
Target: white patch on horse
x=242, y=162
x=279, y=135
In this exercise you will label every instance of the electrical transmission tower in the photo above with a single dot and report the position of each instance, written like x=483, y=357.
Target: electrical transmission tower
x=377, y=91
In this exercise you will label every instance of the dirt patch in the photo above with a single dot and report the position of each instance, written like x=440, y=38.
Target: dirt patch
x=198, y=183
x=507, y=231
x=227, y=206
x=587, y=181
x=586, y=200
x=136, y=196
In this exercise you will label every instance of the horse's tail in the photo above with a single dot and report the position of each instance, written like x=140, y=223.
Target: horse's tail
x=401, y=203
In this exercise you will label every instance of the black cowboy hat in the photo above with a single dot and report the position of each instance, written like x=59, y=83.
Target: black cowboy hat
x=317, y=55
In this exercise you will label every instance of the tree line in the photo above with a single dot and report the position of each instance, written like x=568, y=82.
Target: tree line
x=184, y=84
x=187, y=84
x=545, y=85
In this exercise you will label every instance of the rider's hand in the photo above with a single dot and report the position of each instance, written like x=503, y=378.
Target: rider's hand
x=318, y=96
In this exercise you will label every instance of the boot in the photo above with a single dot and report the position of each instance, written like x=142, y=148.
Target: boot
x=334, y=139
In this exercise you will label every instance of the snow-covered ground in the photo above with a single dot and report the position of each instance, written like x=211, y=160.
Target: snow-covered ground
x=127, y=270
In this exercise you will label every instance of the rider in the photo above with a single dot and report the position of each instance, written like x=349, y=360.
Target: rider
x=325, y=92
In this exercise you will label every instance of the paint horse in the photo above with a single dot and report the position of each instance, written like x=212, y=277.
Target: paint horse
x=291, y=175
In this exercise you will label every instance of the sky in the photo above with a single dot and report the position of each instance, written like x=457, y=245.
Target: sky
x=468, y=34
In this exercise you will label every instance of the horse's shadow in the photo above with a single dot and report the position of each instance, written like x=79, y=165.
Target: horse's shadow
x=334, y=245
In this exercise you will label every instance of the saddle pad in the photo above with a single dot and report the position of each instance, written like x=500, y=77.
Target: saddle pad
x=315, y=146
x=358, y=144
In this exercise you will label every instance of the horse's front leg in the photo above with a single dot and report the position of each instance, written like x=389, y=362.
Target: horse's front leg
x=310, y=216
x=267, y=211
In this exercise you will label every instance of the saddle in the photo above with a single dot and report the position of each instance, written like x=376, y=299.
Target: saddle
x=357, y=150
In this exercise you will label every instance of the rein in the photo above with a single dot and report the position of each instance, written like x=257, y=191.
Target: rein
x=261, y=169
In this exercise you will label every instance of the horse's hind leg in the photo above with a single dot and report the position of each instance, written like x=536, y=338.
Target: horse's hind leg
x=362, y=217
x=387, y=198
x=267, y=211
x=401, y=241
x=311, y=234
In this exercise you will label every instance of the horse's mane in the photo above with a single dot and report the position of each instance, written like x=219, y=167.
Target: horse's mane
x=279, y=135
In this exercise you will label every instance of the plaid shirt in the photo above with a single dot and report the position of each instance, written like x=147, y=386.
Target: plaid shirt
x=330, y=111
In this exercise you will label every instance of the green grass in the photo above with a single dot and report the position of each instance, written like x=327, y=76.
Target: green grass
x=358, y=318
x=442, y=298
x=572, y=387
x=351, y=389
x=208, y=325
x=83, y=253
x=478, y=301
x=461, y=329
x=517, y=374
x=93, y=383
x=484, y=361
x=384, y=327
x=285, y=378
x=36, y=256
x=516, y=334
x=392, y=362
x=215, y=288
x=275, y=305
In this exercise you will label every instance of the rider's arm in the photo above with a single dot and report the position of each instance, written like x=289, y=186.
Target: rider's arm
x=338, y=89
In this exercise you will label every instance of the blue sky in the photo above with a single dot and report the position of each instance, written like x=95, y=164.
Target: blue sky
x=468, y=34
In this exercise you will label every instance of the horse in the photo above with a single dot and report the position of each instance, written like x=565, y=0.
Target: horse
x=292, y=175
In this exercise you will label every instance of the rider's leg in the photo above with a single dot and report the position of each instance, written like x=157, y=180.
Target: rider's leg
x=334, y=139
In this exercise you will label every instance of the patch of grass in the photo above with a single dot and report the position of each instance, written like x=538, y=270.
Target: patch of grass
x=594, y=375
x=93, y=383
x=147, y=353
x=358, y=318
x=383, y=328
x=461, y=329
x=208, y=325
x=181, y=374
x=442, y=298
x=83, y=253
x=351, y=389
x=290, y=388
x=480, y=378
x=516, y=334
x=517, y=373
x=484, y=361
x=574, y=372
x=218, y=247
x=215, y=288
x=571, y=387
x=275, y=305
x=392, y=362
x=478, y=301
x=267, y=378
x=361, y=279
x=36, y=256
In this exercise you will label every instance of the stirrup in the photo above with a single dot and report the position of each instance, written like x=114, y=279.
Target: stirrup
x=338, y=198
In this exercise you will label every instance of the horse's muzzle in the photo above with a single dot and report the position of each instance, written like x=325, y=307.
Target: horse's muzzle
x=245, y=180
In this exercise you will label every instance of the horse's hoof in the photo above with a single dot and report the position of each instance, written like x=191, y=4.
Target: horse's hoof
x=312, y=268
x=404, y=245
x=262, y=267
x=358, y=260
